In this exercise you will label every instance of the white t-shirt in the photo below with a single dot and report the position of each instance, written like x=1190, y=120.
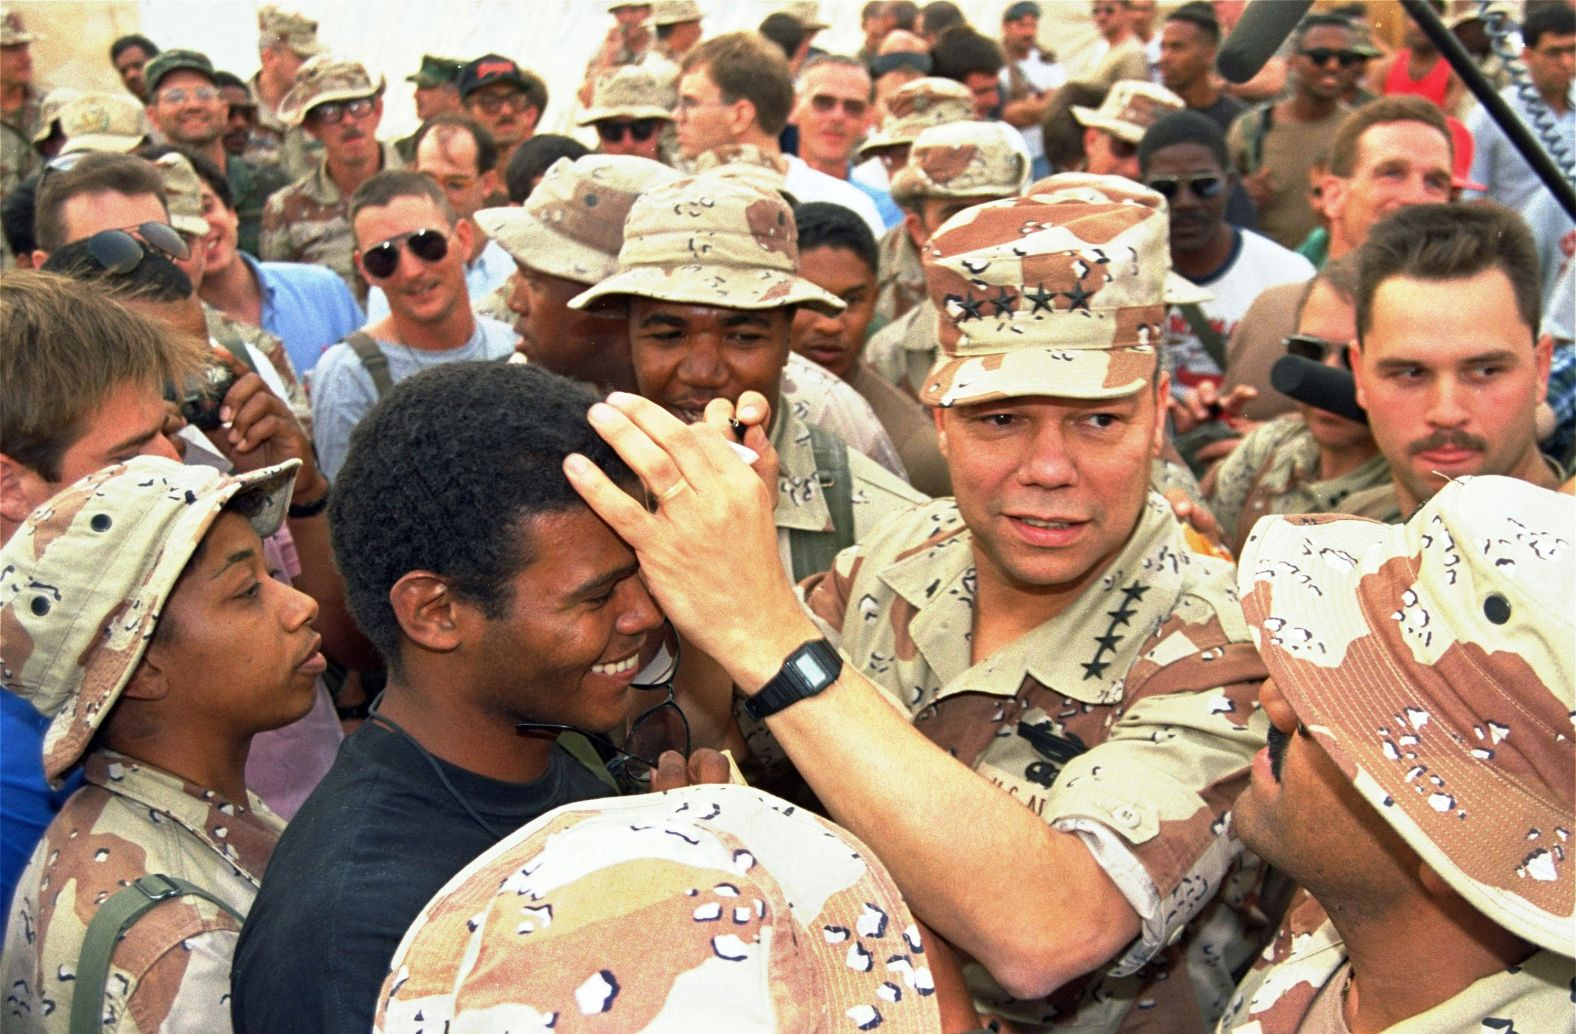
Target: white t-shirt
x=807, y=184
x=1256, y=263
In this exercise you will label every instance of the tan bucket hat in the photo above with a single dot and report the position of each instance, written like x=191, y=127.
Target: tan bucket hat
x=806, y=12
x=295, y=31
x=963, y=160
x=572, y=225
x=49, y=110
x=1433, y=662
x=85, y=577
x=1129, y=109
x=324, y=80
x=182, y=193
x=711, y=907
x=675, y=12
x=626, y=92
x=1061, y=292
x=12, y=33
x=705, y=240
x=113, y=122
x=917, y=106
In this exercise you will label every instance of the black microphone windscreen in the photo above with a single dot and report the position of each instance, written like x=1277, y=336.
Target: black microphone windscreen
x=1323, y=387
x=1264, y=26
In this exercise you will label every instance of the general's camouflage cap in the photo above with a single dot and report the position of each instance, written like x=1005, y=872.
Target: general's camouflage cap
x=182, y=193
x=1129, y=109
x=324, y=80
x=705, y=240
x=917, y=106
x=12, y=34
x=113, y=122
x=713, y=904
x=963, y=160
x=295, y=31
x=49, y=110
x=629, y=91
x=1432, y=661
x=572, y=225
x=168, y=61
x=435, y=71
x=84, y=578
x=806, y=12
x=674, y=12
x=1061, y=292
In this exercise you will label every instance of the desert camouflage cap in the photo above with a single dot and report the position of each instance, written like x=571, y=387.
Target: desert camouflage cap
x=12, y=34
x=295, y=31
x=182, y=193
x=572, y=225
x=675, y=12
x=748, y=164
x=705, y=240
x=103, y=122
x=963, y=160
x=1129, y=109
x=49, y=110
x=917, y=106
x=666, y=912
x=324, y=80
x=806, y=12
x=629, y=91
x=1060, y=292
x=84, y=578
x=1432, y=661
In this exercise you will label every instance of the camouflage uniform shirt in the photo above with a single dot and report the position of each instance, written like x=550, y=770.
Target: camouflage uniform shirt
x=1296, y=986
x=821, y=398
x=18, y=159
x=274, y=144
x=900, y=279
x=904, y=350
x=1129, y=719
x=1275, y=470
x=309, y=221
x=233, y=334
x=172, y=970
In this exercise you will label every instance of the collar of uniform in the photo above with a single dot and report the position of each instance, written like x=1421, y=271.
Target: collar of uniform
x=320, y=187
x=243, y=835
x=1086, y=650
x=800, y=501
x=921, y=335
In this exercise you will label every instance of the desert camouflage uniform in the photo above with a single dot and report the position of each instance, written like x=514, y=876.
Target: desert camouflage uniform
x=18, y=159
x=1297, y=985
x=495, y=304
x=900, y=280
x=824, y=400
x=1275, y=470
x=230, y=332
x=904, y=350
x=274, y=144
x=172, y=970
x=1130, y=718
x=309, y=221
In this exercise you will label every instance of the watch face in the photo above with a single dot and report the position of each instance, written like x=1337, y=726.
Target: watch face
x=809, y=668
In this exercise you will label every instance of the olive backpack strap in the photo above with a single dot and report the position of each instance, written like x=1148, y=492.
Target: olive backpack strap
x=373, y=359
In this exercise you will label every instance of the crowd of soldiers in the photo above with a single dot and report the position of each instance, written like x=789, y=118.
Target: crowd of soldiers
x=958, y=536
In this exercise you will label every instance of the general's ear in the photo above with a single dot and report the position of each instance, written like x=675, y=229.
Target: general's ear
x=428, y=613
x=1162, y=396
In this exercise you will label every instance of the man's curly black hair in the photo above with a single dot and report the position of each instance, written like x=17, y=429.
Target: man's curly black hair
x=445, y=474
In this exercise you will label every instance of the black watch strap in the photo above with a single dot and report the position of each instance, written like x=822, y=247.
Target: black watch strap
x=807, y=671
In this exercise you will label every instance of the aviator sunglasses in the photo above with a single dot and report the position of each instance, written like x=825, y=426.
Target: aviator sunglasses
x=121, y=251
x=382, y=259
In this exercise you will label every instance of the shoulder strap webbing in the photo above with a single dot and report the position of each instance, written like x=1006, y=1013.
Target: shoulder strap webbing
x=1207, y=335
x=372, y=357
x=814, y=551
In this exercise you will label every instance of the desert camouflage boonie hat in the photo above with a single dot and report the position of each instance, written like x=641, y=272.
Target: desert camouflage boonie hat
x=964, y=160
x=674, y=12
x=1433, y=662
x=12, y=34
x=1129, y=109
x=113, y=122
x=182, y=193
x=806, y=12
x=324, y=80
x=295, y=31
x=572, y=225
x=711, y=907
x=50, y=109
x=1061, y=292
x=746, y=163
x=84, y=578
x=629, y=91
x=917, y=106
x=705, y=240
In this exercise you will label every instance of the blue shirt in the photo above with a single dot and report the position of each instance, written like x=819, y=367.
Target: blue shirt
x=307, y=307
x=27, y=804
x=888, y=209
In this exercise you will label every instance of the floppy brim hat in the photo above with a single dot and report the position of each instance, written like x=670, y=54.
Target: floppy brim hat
x=1432, y=661
x=88, y=573
x=633, y=111
x=299, y=102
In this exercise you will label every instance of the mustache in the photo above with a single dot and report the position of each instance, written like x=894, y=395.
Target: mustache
x=1448, y=439
x=1278, y=742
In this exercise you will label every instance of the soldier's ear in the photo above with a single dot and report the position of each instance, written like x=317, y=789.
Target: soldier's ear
x=148, y=681
x=937, y=414
x=22, y=489
x=1433, y=882
x=428, y=613
x=1162, y=395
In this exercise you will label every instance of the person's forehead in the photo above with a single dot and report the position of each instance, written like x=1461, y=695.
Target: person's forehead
x=1326, y=36
x=445, y=153
x=697, y=315
x=1048, y=405
x=835, y=268
x=698, y=82
x=235, y=94
x=83, y=215
x=1410, y=140
x=843, y=80
x=1551, y=42
x=1326, y=314
x=1398, y=300
x=1186, y=156
x=401, y=215
x=496, y=90
x=132, y=55
x=1180, y=30
x=183, y=78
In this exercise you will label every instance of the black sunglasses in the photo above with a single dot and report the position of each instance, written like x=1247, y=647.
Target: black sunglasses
x=1203, y=187
x=1315, y=349
x=639, y=130
x=121, y=251
x=332, y=113
x=382, y=259
x=1321, y=56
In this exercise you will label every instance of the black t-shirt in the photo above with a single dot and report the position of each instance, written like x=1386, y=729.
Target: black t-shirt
x=371, y=845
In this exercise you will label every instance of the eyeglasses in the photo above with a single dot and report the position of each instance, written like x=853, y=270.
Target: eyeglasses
x=1321, y=56
x=333, y=112
x=825, y=104
x=493, y=103
x=382, y=259
x=180, y=95
x=612, y=131
x=121, y=251
x=655, y=730
x=1203, y=187
x=1315, y=349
